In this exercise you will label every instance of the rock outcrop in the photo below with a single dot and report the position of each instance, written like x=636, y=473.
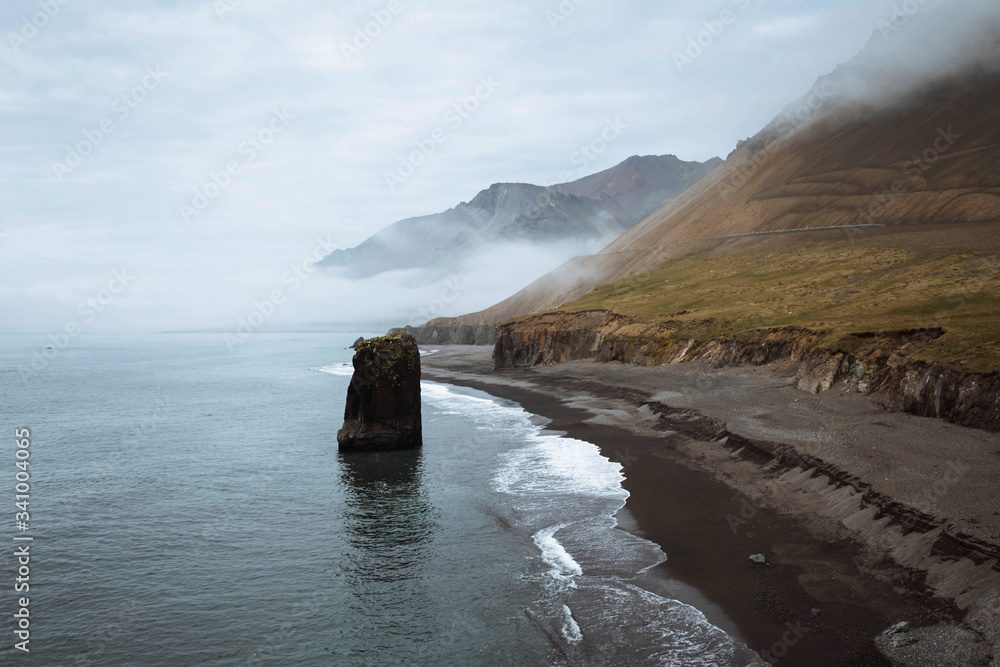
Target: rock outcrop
x=383, y=399
x=877, y=364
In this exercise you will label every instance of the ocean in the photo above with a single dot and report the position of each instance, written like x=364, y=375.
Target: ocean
x=189, y=506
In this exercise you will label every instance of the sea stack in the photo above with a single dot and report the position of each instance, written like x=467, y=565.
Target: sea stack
x=383, y=400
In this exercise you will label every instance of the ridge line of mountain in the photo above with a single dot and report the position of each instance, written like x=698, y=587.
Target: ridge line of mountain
x=595, y=208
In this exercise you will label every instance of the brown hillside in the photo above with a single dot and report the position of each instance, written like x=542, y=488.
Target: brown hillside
x=931, y=158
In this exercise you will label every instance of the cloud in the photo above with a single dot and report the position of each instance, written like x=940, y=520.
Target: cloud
x=782, y=27
x=324, y=175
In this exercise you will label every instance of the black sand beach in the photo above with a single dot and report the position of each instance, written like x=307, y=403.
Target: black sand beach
x=838, y=495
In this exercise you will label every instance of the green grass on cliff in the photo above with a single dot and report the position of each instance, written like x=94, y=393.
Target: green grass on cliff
x=840, y=289
x=389, y=350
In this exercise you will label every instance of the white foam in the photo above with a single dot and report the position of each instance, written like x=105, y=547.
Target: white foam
x=671, y=632
x=562, y=567
x=554, y=464
x=427, y=353
x=486, y=412
x=571, y=629
x=504, y=421
x=556, y=483
x=336, y=369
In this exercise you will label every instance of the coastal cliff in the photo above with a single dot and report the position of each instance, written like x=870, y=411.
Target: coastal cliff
x=457, y=334
x=877, y=364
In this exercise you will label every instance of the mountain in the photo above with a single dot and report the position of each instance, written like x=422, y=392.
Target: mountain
x=854, y=241
x=598, y=207
x=858, y=156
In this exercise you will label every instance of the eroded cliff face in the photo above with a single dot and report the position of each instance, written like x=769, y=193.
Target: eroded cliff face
x=459, y=334
x=877, y=364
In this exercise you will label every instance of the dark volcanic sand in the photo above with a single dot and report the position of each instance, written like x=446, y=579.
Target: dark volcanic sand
x=693, y=516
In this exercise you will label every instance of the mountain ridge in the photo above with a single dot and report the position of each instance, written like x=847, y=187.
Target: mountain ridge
x=598, y=207
x=832, y=158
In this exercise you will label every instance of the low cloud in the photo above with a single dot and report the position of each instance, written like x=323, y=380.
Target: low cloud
x=782, y=27
x=919, y=42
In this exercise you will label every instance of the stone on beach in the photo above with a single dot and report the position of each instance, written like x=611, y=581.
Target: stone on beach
x=899, y=628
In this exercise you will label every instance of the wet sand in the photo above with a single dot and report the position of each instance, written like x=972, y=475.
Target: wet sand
x=710, y=463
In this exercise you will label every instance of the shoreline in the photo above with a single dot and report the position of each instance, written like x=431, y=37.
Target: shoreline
x=710, y=506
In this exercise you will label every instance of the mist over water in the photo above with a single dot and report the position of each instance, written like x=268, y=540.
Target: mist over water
x=415, y=296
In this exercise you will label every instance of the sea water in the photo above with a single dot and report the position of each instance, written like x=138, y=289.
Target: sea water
x=189, y=506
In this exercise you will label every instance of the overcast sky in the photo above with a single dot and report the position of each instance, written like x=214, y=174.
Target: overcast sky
x=117, y=113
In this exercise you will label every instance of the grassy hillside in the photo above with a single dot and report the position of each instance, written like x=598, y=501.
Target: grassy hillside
x=839, y=288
